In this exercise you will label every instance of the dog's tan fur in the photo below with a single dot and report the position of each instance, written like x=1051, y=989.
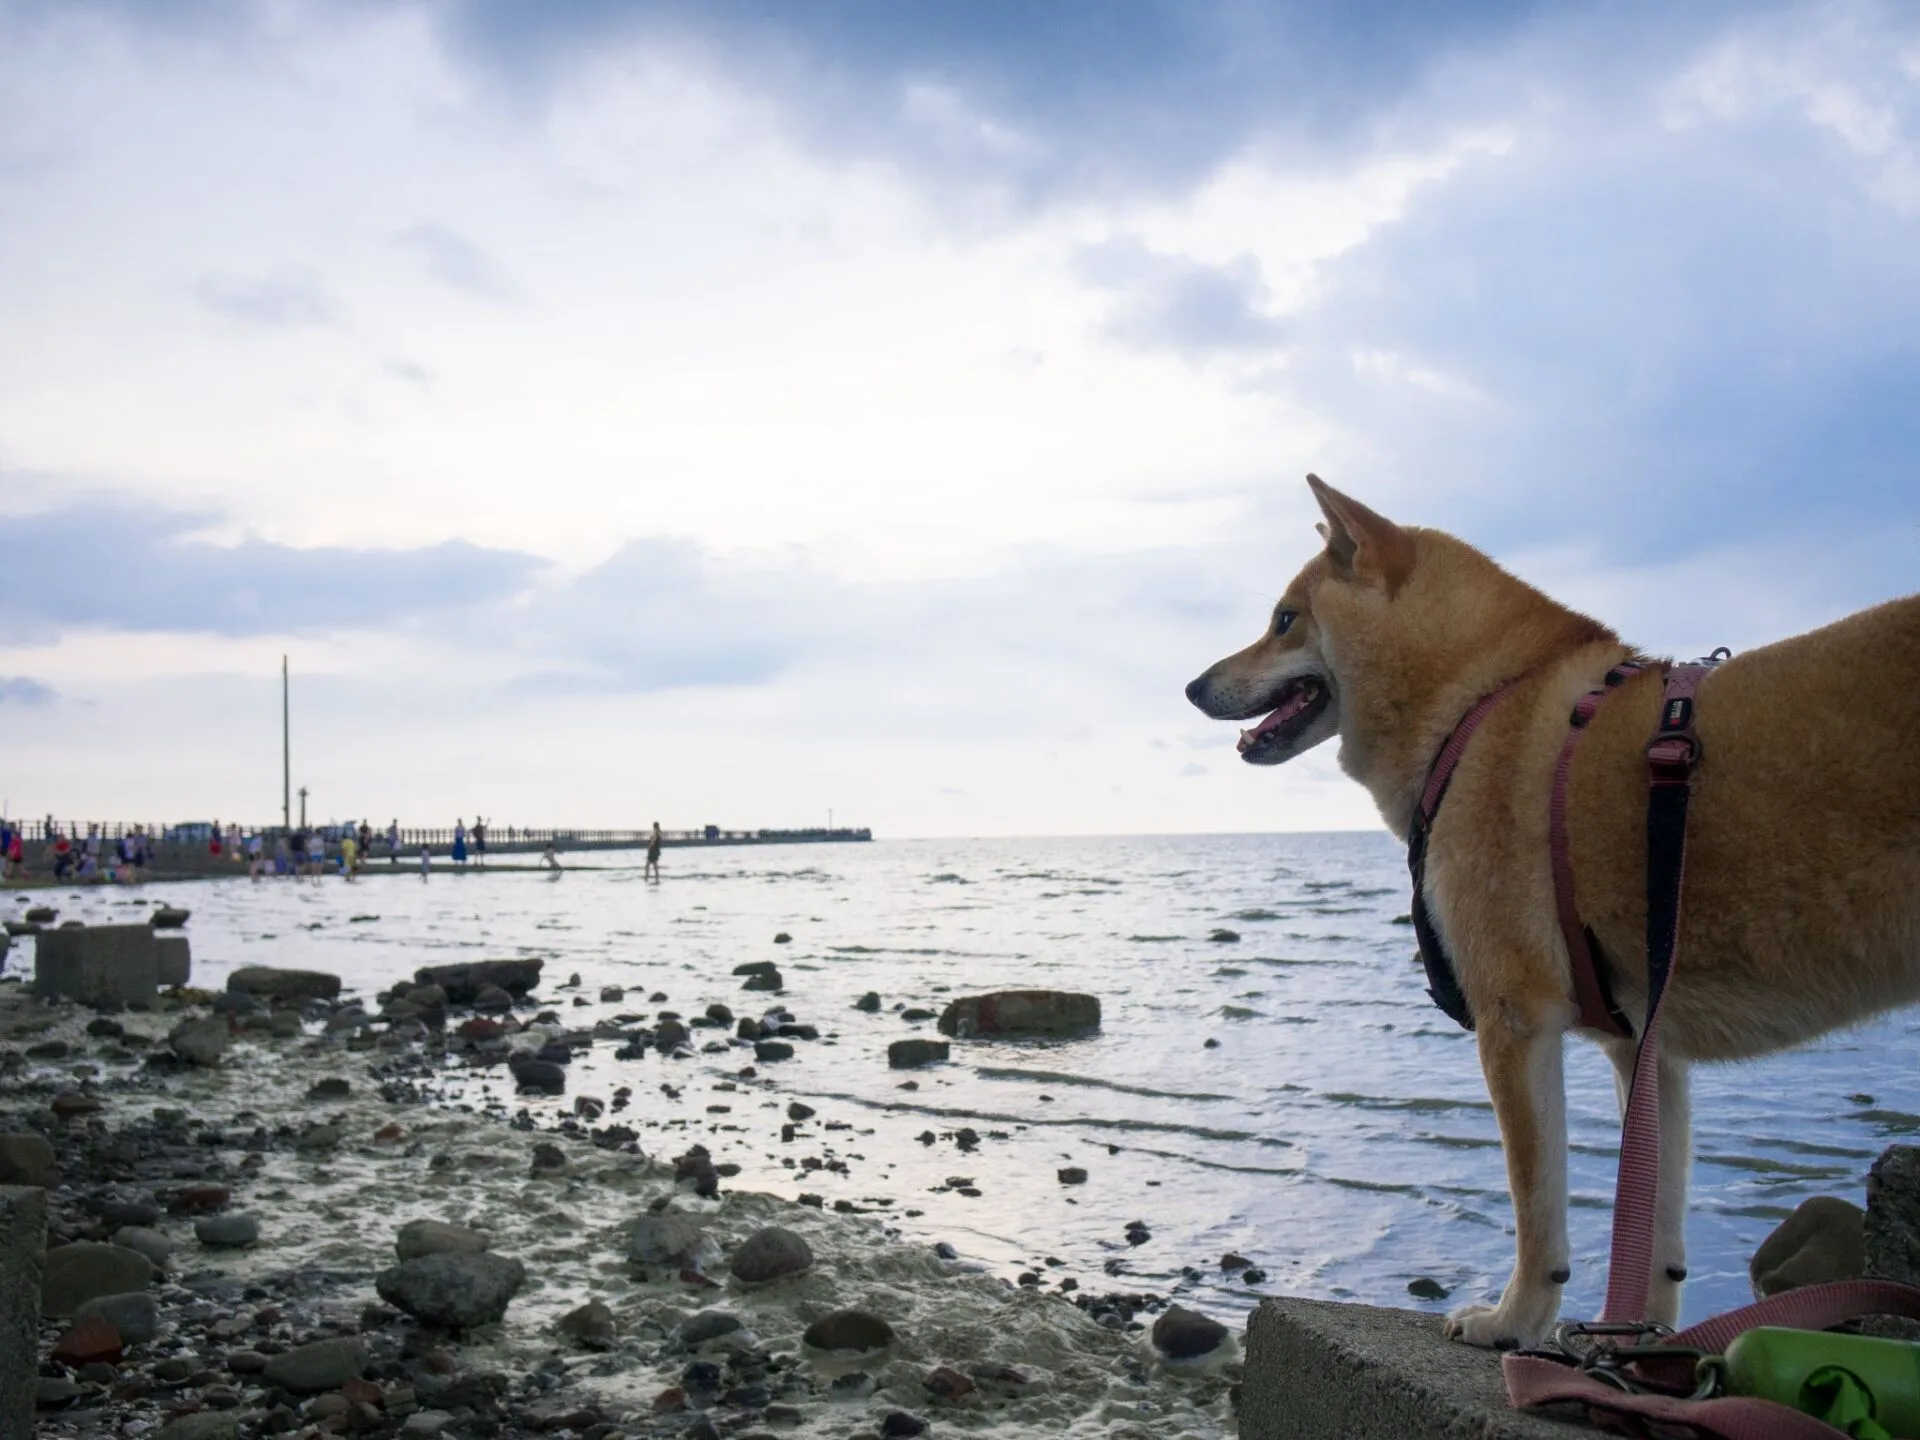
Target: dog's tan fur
x=1802, y=903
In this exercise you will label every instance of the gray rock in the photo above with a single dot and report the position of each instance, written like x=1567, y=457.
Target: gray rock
x=1071, y=1175
x=463, y=982
x=670, y=1241
x=200, y=1042
x=427, y=997
x=168, y=917
x=493, y=998
x=27, y=1159
x=771, y=1254
x=869, y=1002
x=854, y=1330
x=1182, y=1334
x=913, y=1053
x=424, y=1423
x=174, y=956
x=771, y=1051
x=454, y=1290
x=321, y=1365
x=331, y=1087
x=757, y=967
x=268, y=982
x=767, y=979
x=592, y=1325
x=318, y=1139
x=612, y=994
x=149, y=1242
x=707, y=1325
x=202, y=1425
x=136, y=1315
x=436, y=1237
x=227, y=1232
x=75, y=1274
x=1824, y=1239
x=1021, y=1012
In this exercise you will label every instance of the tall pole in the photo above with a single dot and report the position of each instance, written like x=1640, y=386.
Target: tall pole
x=286, y=754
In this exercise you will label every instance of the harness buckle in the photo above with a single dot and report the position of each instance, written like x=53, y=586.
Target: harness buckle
x=1672, y=758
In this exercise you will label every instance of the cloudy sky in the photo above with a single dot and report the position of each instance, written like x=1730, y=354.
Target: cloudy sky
x=735, y=410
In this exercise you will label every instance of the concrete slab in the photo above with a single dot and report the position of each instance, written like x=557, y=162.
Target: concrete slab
x=23, y=1246
x=97, y=965
x=176, y=960
x=1320, y=1370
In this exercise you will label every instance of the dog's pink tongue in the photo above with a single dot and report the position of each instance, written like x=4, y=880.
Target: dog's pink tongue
x=1295, y=702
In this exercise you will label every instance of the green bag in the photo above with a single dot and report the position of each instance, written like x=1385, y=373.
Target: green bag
x=1865, y=1387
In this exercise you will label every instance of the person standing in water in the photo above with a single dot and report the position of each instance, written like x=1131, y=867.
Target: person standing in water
x=393, y=842
x=652, y=871
x=349, y=853
x=460, y=842
x=426, y=860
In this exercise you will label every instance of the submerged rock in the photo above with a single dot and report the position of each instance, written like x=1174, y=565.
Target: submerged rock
x=669, y=1241
x=27, y=1159
x=229, y=1232
x=592, y=1325
x=910, y=1054
x=1021, y=1012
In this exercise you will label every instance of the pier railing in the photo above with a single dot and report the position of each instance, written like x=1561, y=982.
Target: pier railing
x=412, y=837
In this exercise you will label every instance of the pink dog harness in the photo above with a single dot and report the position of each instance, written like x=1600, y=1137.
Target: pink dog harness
x=1631, y=1374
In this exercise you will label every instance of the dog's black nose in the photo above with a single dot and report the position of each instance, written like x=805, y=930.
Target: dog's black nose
x=1196, y=691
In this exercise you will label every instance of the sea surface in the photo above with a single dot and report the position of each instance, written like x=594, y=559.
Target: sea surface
x=1290, y=1096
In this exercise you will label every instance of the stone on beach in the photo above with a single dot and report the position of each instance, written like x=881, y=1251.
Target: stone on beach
x=437, y=1237
x=592, y=1325
x=1183, y=1334
x=771, y=1254
x=149, y=1242
x=168, y=917
x=175, y=956
x=27, y=1159
x=321, y=1365
x=767, y=979
x=910, y=1054
x=849, y=1330
x=135, y=1315
x=89, y=1340
x=454, y=1290
x=1822, y=1240
x=1013, y=1013
x=74, y=1274
x=668, y=1241
x=227, y=1232
x=464, y=982
x=269, y=982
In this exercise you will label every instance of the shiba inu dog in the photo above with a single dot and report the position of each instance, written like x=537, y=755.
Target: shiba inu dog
x=1802, y=897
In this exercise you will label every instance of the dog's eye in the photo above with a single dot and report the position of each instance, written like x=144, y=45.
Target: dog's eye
x=1283, y=621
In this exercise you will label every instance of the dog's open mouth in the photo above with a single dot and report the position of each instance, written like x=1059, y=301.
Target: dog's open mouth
x=1300, y=703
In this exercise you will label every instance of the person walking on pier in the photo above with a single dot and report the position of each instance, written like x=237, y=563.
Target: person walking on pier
x=480, y=840
x=393, y=842
x=460, y=842
x=652, y=870
x=15, y=855
x=426, y=860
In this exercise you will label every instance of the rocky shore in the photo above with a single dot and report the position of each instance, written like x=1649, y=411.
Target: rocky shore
x=275, y=1212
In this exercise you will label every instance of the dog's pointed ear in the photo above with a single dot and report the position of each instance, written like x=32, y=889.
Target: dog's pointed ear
x=1360, y=543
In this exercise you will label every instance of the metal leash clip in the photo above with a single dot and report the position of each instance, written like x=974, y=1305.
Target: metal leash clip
x=1591, y=1346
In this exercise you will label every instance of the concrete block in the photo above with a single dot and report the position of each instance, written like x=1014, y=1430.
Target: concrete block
x=97, y=965
x=176, y=959
x=1320, y=1370
x=1892, y=1231
x=23, y=1246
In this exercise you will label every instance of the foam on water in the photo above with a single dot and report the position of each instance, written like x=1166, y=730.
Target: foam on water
x=1338, y=1134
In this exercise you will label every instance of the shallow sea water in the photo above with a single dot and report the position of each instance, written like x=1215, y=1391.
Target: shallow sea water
x=1339, y=1135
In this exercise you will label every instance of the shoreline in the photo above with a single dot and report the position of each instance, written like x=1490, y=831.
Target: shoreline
x=331, y=1181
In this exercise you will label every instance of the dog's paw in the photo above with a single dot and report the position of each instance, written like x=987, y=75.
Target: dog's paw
x=1498, y=1327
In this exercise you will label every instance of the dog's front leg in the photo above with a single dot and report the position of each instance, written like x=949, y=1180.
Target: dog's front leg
x=1523, y=1061
x=1676, y=1166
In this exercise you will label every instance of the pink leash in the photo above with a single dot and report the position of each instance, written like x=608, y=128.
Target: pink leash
x=1539, y=1379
